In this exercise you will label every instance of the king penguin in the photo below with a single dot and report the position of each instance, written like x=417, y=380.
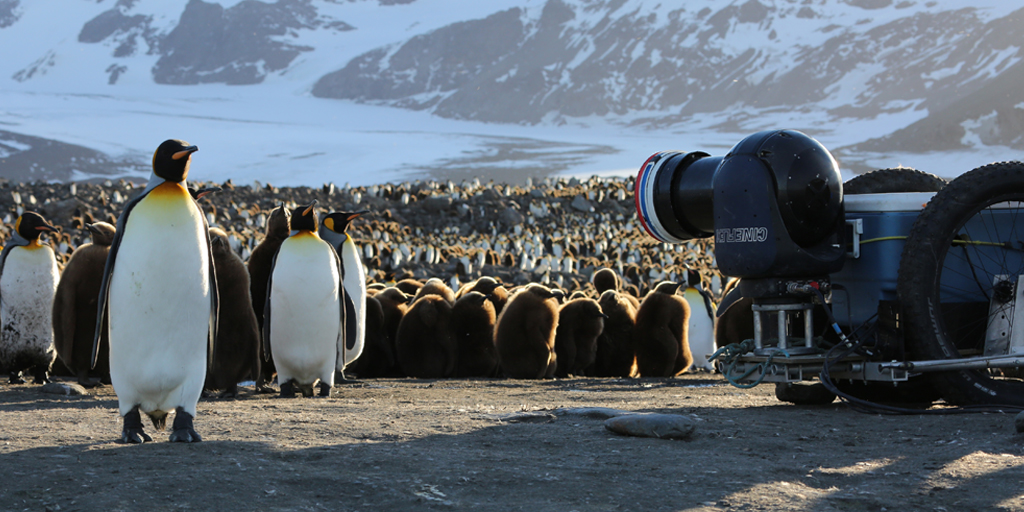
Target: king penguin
x=304, y=316
x=353, y=275
x=702, y=321
x=28, y=282
x=158, y=300
x=260, y=263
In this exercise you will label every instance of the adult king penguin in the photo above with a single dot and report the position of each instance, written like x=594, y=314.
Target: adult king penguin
x=304, y=316
x=702, y=321
x=353, y=275
x=28, y=282
x=159, y=299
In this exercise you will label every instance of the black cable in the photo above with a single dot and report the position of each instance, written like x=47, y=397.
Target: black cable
x=868, y=407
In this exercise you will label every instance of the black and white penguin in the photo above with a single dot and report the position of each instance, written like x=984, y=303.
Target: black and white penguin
x=28, y=282
x=260, y=263
x=158, y=300
x=353, y=274
x=74, y=307
x=304, y=315
x=701, y=335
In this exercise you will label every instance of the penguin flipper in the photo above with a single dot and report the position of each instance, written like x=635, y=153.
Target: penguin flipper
x=729, y=299
x=344, y=304
x=108, y=271
x=266, y=311
x=709, y=304
x=211, y=336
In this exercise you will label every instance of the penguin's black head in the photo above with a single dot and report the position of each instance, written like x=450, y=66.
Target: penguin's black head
x=102, y=233
x=30, y=225
x=338, y=221
x=304, y=218
x=693, y=278
x=172, y=158
x=199, y=193
x=669, y=287
x=279, y=222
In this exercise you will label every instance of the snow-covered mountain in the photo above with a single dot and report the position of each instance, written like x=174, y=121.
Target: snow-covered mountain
x=307, y=91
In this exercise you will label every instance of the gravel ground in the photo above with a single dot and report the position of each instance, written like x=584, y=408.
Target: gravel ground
x=405, y=444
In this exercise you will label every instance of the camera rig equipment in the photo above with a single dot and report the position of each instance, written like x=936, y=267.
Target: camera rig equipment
x=910, y=282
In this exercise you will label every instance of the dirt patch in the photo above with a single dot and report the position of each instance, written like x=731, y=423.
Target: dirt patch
x=405, y=444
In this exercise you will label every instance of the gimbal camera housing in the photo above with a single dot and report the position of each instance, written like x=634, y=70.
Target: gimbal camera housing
x=774, y=205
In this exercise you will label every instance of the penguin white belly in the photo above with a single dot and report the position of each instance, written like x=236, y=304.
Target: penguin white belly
x=355, y=287
x=305, y=312
x=27, y=287
x=702, y=330
x=159, y=305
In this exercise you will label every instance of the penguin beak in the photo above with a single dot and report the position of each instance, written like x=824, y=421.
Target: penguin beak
x=207, y=191
x=602, y=315
x=93, y=228
x=185, y=152
x=356, y=214
x=46, y=227
x=309, y=208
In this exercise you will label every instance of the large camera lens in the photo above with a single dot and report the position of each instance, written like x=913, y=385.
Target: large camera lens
x=673, y=193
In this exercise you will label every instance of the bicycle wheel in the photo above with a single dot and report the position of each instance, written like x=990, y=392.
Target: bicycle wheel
x=966, y=247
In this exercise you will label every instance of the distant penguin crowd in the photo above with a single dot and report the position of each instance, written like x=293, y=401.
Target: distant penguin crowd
x=170, y=293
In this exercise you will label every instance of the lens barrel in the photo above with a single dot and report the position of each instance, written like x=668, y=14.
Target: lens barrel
x=673, y=193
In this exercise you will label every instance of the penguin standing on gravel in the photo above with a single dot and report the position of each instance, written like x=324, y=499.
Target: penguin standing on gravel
x=353, y=275
x=304, y=316
x=74, y=307
x=28, y=282
x=158, y=300
x=702, y=321
x=660, y=333
x=260, y=263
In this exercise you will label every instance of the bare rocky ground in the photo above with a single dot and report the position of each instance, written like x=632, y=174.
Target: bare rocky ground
x=405, y=444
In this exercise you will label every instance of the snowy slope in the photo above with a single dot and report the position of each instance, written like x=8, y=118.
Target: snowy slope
x=363, y=91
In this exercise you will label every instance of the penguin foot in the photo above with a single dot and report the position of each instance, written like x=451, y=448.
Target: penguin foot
x=264, y=389
x=340, y=378
x=325, y=389
x=231, y=392
x=288, y=389
x=182, y=431
x=307, y=390
x=41, y=375
x=16, y=378
x=87, y=382
x=132, y=432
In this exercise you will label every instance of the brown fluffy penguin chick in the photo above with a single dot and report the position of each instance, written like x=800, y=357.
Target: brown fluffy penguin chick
x=395, y=304
x=409, y=286
x=615, y=355
x=425, y=346
x=473, y=320
x=435, y=286
x=580, y=322
x=260, y=264
x=489, y=286
x=378, y=357
x=525, y=334
x=660, y=333
x=236, y=351
x=74, y=308
x=605, y=279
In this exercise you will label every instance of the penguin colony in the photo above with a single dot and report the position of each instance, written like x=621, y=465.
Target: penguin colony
x=422, y=279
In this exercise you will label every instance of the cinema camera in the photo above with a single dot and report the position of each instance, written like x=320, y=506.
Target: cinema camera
x=938, y=283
